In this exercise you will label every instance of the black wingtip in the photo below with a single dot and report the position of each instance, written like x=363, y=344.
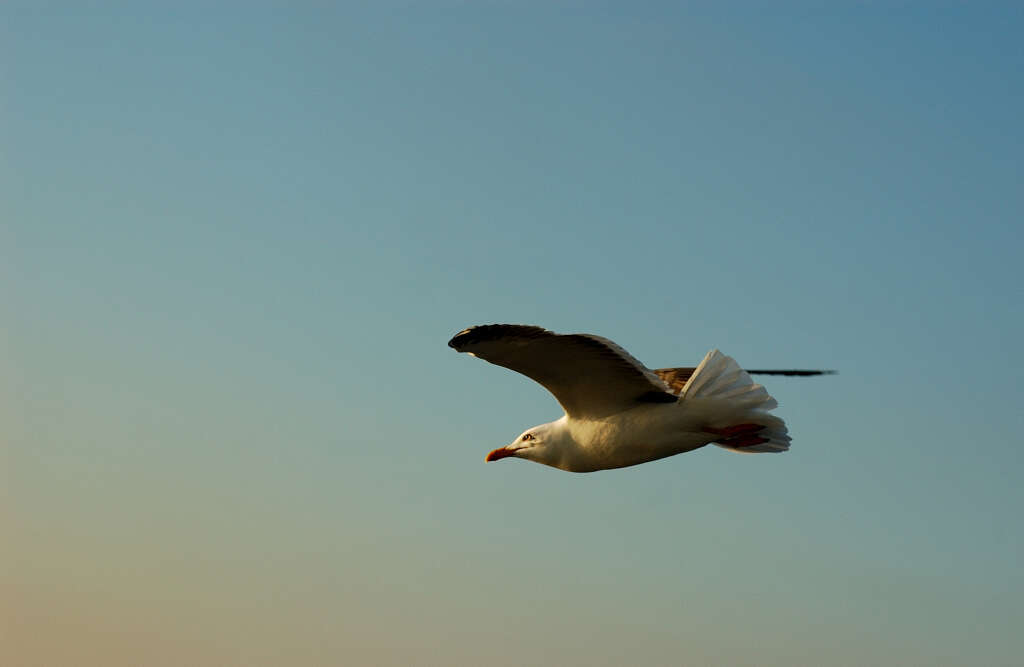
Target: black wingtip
x=487, y=332
x=469, y=336
x=453, y=342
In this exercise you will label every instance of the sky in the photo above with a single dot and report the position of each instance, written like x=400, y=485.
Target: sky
x=235, y=239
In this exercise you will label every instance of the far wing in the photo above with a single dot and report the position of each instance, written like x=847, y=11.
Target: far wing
x=675, y=378
x=793, y=372
x=590, y=376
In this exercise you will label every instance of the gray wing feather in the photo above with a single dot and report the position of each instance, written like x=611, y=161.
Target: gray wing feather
x=591, y=377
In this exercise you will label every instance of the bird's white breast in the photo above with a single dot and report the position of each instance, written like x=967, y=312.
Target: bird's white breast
x=639, y=435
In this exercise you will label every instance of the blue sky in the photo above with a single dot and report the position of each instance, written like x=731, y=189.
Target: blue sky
x=235, y=240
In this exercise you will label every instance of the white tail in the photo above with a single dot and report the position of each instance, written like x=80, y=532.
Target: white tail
x=735, y=402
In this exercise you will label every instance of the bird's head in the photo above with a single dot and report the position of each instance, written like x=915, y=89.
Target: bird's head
x=545, y=444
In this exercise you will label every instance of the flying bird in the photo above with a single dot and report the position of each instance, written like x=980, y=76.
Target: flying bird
x=620, y=413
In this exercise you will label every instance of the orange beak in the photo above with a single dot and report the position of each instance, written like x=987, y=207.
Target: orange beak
x=500, y=453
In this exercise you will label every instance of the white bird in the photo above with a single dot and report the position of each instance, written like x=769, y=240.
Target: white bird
x=620, y=413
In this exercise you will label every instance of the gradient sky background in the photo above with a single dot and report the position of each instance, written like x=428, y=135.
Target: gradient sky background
x=235, y=241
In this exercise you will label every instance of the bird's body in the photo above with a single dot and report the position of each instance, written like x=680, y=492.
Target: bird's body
x=620, y=413
x=645, y=433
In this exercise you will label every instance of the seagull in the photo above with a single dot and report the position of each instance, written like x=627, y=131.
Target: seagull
x=620, y=413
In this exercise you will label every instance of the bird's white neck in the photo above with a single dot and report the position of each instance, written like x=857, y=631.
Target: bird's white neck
x=560, y=449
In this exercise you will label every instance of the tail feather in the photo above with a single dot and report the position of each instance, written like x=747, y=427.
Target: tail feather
x=727, y=391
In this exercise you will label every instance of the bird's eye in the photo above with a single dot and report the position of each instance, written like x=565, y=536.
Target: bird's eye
x=528, y=436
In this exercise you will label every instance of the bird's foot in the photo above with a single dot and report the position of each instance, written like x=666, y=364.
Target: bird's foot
x=739, y=429
x=741, y=435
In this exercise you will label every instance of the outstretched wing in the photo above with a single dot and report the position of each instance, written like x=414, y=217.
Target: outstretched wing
x=590, y=376
x=676, y=378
